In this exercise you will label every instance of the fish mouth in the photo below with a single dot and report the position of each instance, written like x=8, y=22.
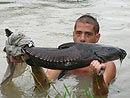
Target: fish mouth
x=122, y=54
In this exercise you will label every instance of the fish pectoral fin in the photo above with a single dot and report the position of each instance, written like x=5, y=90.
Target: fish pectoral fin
x=62, y=74
x=99, y=58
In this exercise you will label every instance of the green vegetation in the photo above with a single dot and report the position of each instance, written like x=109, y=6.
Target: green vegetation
x=69, y=94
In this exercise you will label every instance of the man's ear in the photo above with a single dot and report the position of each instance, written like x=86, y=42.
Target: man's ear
x=97, y=37
x=73, y=36
x=73, y=33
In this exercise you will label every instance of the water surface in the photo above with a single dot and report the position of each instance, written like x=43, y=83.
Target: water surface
x=50, y=23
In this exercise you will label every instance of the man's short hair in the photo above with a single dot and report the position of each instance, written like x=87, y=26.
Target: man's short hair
x=89, y=20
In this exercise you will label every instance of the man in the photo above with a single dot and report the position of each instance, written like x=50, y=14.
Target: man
x=86, y=30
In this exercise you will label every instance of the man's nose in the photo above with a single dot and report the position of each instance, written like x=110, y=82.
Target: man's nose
x=82, y=38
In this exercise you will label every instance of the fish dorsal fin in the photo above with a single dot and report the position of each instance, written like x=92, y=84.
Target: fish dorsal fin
x=66, y=45
x=54, y=54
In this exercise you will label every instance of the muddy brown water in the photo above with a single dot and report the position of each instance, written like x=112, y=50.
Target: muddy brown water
x=50, y=23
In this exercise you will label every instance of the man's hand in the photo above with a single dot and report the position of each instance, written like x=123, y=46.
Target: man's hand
x=97, y=67
x=19, y=59
x=99, y=86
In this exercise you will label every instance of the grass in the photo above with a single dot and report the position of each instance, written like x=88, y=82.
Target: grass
x=69, y=93
x=89, y=93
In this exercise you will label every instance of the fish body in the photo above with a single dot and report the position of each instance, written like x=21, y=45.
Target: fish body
x=71, y=56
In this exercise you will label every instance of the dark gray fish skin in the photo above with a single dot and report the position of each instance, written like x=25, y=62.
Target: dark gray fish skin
x=74, y=55
x=8, y=32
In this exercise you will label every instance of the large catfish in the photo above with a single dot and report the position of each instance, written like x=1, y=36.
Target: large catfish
x=71, y=56
x=68, y=56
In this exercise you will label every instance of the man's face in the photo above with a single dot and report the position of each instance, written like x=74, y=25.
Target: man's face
x=85, y=33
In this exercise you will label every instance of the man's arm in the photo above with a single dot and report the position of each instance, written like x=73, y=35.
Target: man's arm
x=53, y=74
x=41, y=78
x=101, y=82
x=38, y=73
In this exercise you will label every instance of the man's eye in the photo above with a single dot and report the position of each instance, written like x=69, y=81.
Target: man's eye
x=78, y=32
x=89, y=33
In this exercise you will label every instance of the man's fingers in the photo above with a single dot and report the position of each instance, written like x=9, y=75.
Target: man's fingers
x=17, y=60
x=102, y=68
x=96, y=66
x=92, y=62
x=25, y=57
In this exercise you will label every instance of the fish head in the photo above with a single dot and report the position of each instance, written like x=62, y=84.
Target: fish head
x=109, y=53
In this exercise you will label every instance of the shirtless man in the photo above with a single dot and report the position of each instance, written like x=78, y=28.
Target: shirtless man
x=86, y=29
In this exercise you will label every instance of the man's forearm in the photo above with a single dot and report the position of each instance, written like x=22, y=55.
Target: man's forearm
x=99, y=86
x=40, y=77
